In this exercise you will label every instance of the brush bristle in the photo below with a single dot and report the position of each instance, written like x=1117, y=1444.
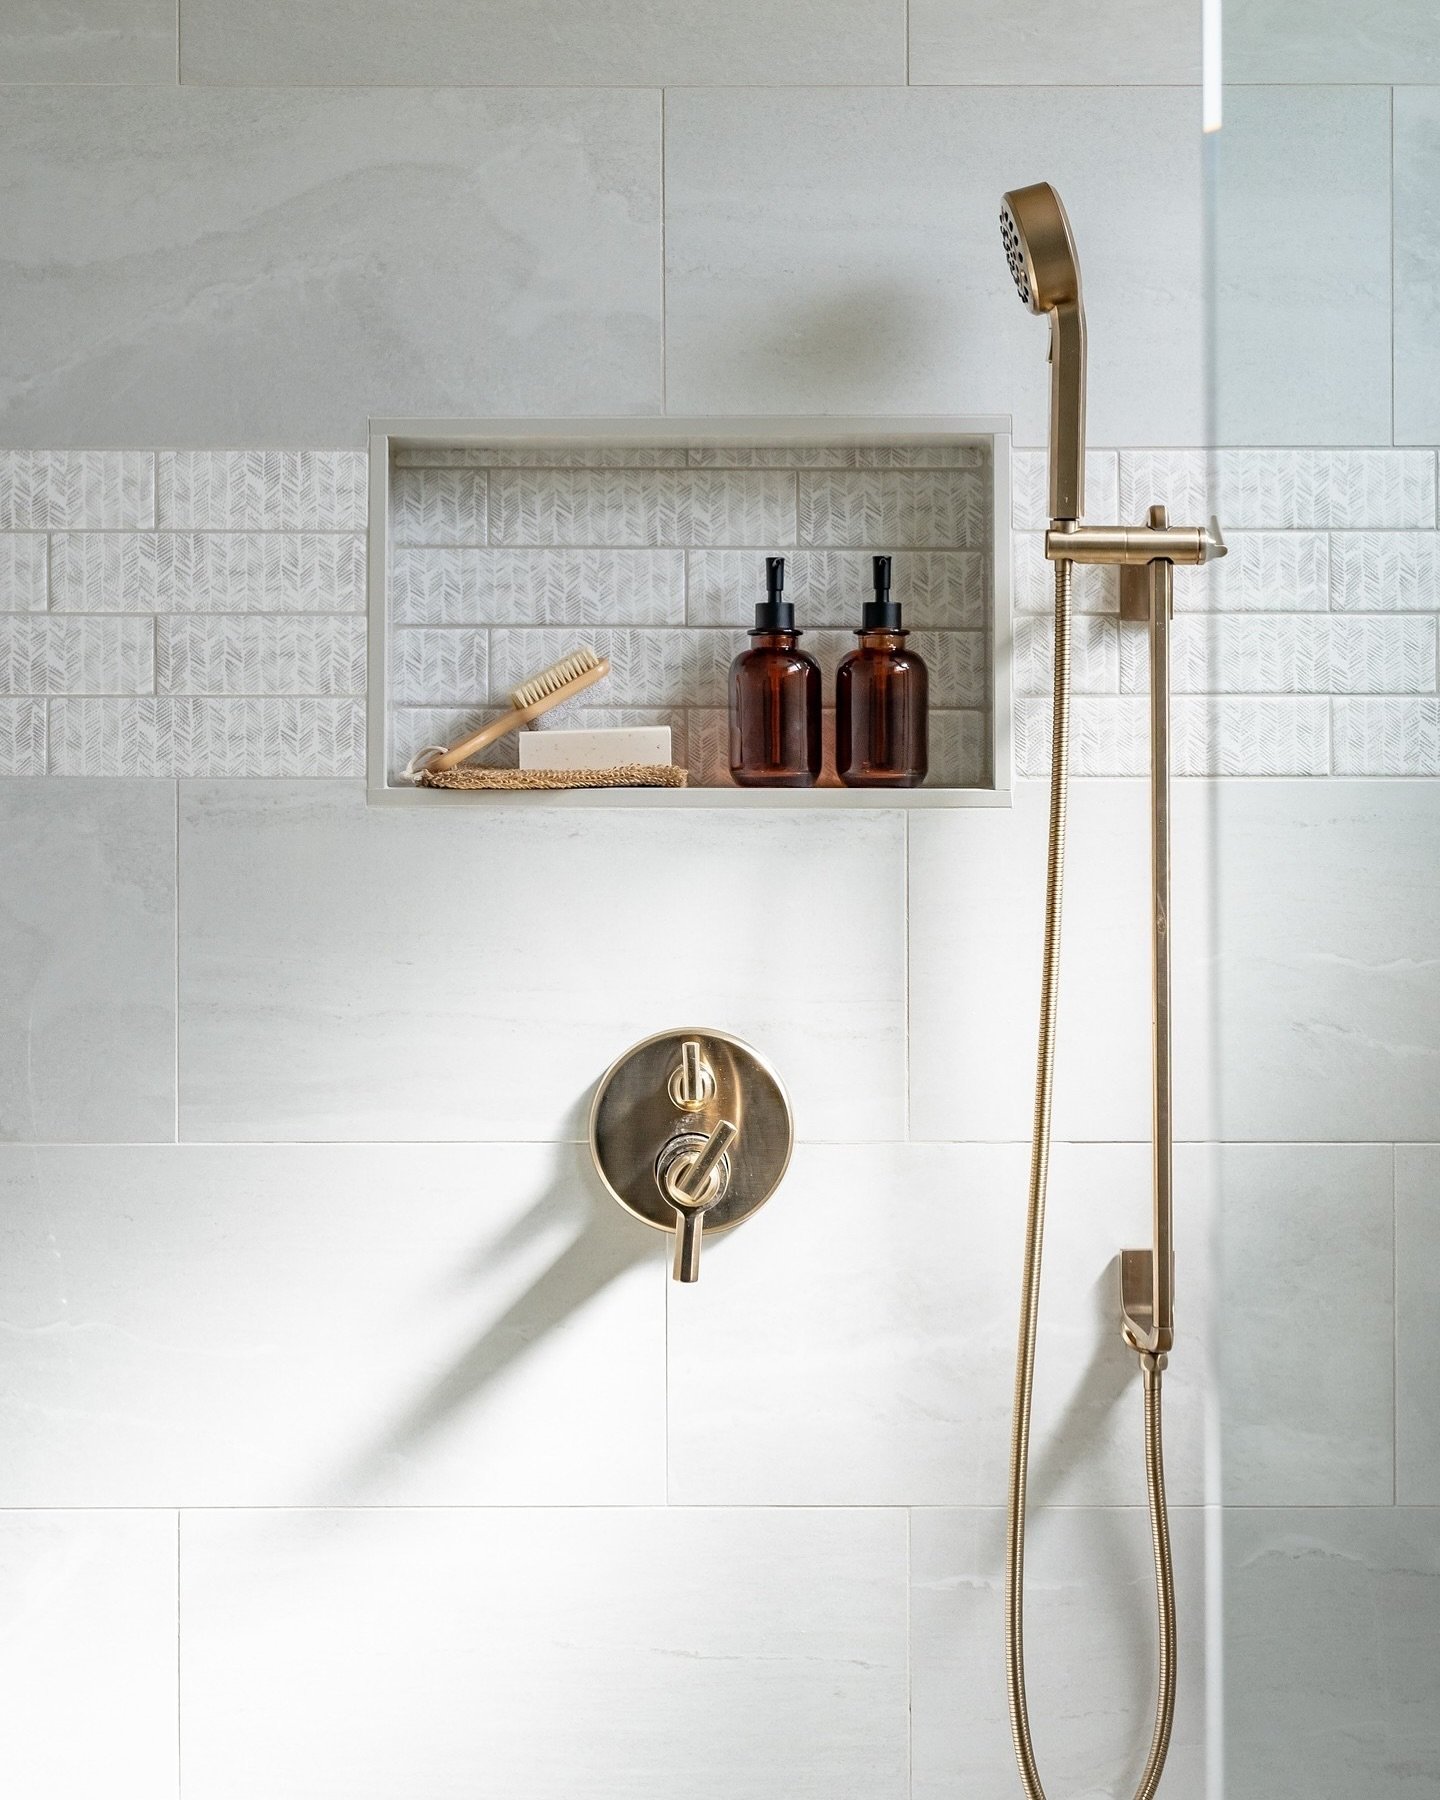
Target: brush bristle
x=557, y=676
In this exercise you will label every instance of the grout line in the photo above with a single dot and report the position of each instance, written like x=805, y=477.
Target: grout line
x=175, y=915
x=905, y=921
x=1394, y=1326
x=179, y=1664
x=1390, y=188
x=664, y=270
x=909, y=1648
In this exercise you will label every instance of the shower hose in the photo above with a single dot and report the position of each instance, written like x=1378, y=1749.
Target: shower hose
x=1150, y=1366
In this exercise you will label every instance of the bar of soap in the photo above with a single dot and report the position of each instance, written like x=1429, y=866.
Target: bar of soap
x=609, y=749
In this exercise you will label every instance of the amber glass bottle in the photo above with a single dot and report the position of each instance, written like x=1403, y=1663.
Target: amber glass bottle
x=882, y=700
x=775, y=697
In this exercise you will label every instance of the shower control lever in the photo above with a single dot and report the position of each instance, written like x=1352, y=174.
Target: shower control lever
x=694, y=1173
x=692, y=1082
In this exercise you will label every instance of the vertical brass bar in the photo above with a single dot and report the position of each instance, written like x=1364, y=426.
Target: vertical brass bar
x=1162, y=1322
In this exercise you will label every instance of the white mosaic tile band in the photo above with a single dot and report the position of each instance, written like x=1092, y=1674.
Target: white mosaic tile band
x=654, y=557
x=201, y=612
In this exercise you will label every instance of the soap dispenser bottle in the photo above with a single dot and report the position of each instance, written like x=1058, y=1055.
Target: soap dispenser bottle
x=775, y=697
x=881, y=700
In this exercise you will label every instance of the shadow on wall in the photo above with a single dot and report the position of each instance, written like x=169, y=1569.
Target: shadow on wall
x=1107, y=1381
x=604, y=1244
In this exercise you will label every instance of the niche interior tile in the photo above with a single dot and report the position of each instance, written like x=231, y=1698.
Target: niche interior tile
x=516, y=196
x=921, y=508
x=543, y=456
x=1385, y=571
x=1090, y=1615
x=1417, y=1307
x=647, y=668
x=959, y=749
x=355, y=994
x=76, y=490
x=1303, y=361
x=959, y=42
x=263, y=490
x=747, y=42
x=386, y=1648
x=1304, y=1239
x=538, y=587
x=1387, y=737
x=871, y=1378
x=24, y=572
x=207, y=737
x=314, y=1324
x=1338, y=490
x=941, y=590
x=87, y=1043
x=445, y=667
x=639, y=507
x=439, y=506
x=1417, y=224
x=1329, y=1656
x=22, y=737
x=88, y=1655
x=869, y=263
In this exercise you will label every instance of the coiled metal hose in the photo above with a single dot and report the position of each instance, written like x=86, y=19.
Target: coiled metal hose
x=1151, y=1366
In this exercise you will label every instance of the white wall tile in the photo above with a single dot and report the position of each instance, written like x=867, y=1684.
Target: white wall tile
x=208, y=572
x=90, y=41
x=1030, y=490
x=22, y=737
x=1094, y=655
x=541, y=587
x=823, y=1363
x=207, y=737
x=961, y=42
x=1327, y=40
x=447, y=667
x=1177, y=479
x=861, y=271
x=88, y=1654
x=76, y=656
x=356, y=994
x=690, y=1655
x=312, y=1324
x=744, y=43
x=1305, y=1310
x=518, y=268
x=939, y=589
x=260, y=656
x=1210, y=735
x=909, y=508
x=438, y=506
x=1417, y=222
x=1339, y=490
x=1091, y=1623
x=1385, y=571
x=76, y=490
x=1301, y=281
x=1330, y=1659
x=1386, y=737
x=1417, y=1318
x=87, y=976
x=1278, y=655
x=694, y=506
x=24, y=572
x=1265, y=571
x=263, y=490
x=1093, y=588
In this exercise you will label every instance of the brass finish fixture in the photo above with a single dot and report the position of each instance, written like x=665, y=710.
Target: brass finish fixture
x=1037, y=240
x=691, y=1132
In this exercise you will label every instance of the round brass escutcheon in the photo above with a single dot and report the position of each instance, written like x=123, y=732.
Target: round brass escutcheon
x=636, y=1122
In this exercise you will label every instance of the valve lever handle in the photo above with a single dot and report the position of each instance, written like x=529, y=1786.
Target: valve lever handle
x=693, y=1183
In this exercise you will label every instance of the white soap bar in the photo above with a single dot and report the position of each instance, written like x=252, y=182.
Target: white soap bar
x=609, y=749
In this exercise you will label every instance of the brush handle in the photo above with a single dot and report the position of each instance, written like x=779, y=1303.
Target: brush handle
x=515, y=718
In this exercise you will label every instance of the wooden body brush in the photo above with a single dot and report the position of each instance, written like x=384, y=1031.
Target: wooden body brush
x=559, y=682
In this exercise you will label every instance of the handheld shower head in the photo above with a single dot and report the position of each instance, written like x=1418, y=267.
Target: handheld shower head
x=1041, y=253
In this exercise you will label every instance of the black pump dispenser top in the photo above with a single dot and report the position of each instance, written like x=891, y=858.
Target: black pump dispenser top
x=773, y=613
x=882, y=613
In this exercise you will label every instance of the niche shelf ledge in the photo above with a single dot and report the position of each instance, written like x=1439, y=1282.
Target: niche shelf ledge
x=458, y=506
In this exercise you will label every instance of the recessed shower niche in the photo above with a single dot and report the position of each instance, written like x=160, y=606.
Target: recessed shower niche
x=499, y=547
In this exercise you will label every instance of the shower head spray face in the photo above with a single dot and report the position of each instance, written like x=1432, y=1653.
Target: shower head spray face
x=1046, y=271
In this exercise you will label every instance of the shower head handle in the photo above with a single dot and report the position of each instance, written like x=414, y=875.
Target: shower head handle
x=1046, y=271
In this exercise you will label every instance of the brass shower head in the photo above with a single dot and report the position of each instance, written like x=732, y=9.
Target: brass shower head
x=1041, y=253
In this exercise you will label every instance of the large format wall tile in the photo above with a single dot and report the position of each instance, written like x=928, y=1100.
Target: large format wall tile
x=854, y=1344
x=275, y=1325
x=1417, y=228
x=1305, y=1247
x=1049, y=41
x=1307, y=988
x=1090, y=1614
x=322, y=254
x=1330, y=1659
x=628, y=1655
x=88, y=1655
x=1417, y=1323
x=87, y=961
x=607, y=43
x=348, y=971
x=1301, y=283
x=862, y=270
x=89, y=40
x=1330, y=40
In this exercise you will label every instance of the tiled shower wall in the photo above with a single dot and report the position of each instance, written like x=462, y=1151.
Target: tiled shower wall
x=189, y=613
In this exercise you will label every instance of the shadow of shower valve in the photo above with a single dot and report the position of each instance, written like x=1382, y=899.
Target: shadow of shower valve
x=693, y=1173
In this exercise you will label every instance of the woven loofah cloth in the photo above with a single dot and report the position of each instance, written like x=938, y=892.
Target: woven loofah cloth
x=627, y=775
